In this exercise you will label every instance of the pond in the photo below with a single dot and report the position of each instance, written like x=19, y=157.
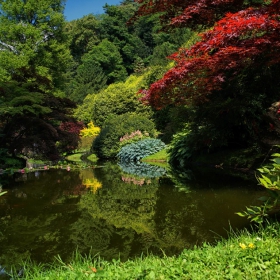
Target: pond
x=116, y=211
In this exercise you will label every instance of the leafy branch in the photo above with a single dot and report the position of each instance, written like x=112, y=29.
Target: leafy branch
x=269, y=178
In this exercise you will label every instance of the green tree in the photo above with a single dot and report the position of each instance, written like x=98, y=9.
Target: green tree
x=83, y=34
x=110, y=60
x=32, y=43
x=90, y=78
x=33, y=59
x=85, y=76
x=113, y=26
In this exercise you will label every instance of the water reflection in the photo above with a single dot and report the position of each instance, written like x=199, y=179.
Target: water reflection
x=142, y=169
x=114, y=213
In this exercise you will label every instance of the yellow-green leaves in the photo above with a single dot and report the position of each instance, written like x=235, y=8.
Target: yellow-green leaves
x=90, y=130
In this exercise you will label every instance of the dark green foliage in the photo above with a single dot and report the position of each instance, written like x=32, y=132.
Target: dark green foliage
x=179, y=149
x=7, y=161
x=113, y=26
x=234, y=118
x=90, y=78
x=107, y=143
x=140, y=149
x=268, y=178
x=108, y=57
x=31, y=122
x=83, y=35
x=171, y=120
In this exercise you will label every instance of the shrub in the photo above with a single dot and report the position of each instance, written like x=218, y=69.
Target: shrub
x=179, y=149
x=140, y=149
x=107, y=143
x=90, y=130
x=269, y=178
x=117, y=99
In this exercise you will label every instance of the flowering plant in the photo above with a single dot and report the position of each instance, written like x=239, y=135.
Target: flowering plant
x=134, y=136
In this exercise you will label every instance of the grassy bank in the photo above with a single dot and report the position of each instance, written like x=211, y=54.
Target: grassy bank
x=244, y=255
x=160, y=159
x=159, y=156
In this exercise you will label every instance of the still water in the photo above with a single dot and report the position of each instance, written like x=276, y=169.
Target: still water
x=116, y=211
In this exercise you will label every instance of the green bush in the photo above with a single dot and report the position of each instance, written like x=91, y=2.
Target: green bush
x=193, y=141
x=107, y=143
x=269, y=178
x=116, y=99
x=179, y=149
x=140, y=149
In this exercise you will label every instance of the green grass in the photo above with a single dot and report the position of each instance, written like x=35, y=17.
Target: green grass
x=159, y=156
x=75, y=157
x=92, y=158
x=38, y=161
x=244, y=255
x=160, y=159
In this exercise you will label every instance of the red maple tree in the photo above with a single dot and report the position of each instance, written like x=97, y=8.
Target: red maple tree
x=244, y=36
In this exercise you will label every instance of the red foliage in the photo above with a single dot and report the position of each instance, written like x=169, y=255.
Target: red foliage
x=190, y=12
x=72, y=127
x=249, y=38
x=69, y=135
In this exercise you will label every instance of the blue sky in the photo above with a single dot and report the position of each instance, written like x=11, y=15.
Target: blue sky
x=75, y=9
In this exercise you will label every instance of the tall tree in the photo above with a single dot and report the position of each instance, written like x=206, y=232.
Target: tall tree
x=113, y=27
x=83, y=34
x=33, y=59
x=90, y=78
x=107, y=56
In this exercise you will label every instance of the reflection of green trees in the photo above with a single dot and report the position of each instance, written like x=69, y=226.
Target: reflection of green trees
x=54, y=214
x=102, y=237
x=157, y=219
x=35, y=215
x=123, y=205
